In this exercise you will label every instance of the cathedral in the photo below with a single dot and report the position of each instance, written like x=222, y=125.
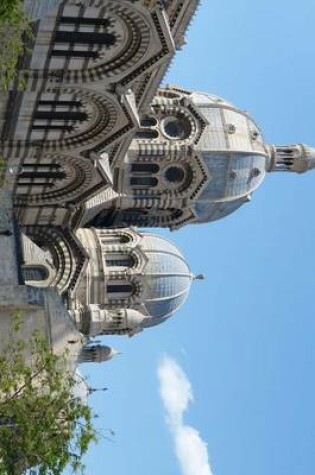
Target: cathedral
x=94, y=149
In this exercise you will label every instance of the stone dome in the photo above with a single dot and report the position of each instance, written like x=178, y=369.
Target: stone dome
x=220, y=157
x=203, y=99
x=166, y=278
x=234, y=153
x=133, y=280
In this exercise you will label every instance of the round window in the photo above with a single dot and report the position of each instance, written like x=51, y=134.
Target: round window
x=174, y=174
x=177, y=127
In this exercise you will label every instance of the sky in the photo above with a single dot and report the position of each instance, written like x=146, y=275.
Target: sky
x=226, y=387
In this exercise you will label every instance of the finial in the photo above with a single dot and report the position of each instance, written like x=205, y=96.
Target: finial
x=115, y=352
x=94, y=390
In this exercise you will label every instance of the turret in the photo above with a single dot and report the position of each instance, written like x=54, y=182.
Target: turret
x=95, y=320
x=132, y=281
x=97, y=354
x=297, y=158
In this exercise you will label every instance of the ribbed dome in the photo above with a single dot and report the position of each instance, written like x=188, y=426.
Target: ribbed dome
x=206, y=211
x=234, y=153
x=202, y=99
x=166, y=278
x=231, y=155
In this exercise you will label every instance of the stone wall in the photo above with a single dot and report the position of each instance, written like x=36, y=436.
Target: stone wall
x=37, y=308
x=39, y=8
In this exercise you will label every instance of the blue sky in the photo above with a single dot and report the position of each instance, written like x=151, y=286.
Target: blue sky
x=243, y=344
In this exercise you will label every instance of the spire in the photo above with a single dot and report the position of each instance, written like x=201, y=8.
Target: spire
x=297, y=158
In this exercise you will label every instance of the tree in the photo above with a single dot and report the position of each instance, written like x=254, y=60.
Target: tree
x=42, y=424
x=15, y=32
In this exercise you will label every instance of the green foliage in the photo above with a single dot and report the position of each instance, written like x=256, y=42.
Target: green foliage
x=41, y=423
x=15, y=27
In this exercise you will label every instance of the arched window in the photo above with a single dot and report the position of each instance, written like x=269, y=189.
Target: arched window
x=44, y=174
x=35, y=273
x=85, y=37
x=57, y=115
x=119, y=260
x=110, y=239
x=132, y=215
x=67, y=53
x=148, y=122
x=80, y=35
x=119, y=290
x=147, y=134
x=33, y=176
x=145, y=167
x=143, y=181
x=85, y=21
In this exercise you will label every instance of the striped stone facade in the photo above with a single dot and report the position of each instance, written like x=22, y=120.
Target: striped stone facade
x=93, y=148
x=90, y=71
x=89, y=74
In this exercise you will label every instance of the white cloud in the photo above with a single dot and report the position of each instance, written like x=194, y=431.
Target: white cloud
x=176, y=394
x=175, y=390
